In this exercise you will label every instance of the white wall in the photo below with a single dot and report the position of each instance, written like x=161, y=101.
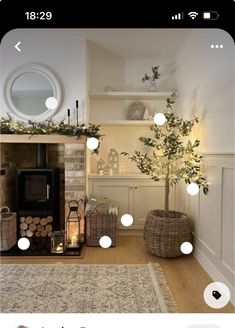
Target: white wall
x=204, y=79
x=135, y=68
x=109, y=69
x=205, y=82
x=213, y=219
x=106, y=68
x=62, y=51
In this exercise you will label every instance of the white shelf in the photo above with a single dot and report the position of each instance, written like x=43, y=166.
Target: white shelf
x=129, y=95
x=127, y=176
x=125, y=122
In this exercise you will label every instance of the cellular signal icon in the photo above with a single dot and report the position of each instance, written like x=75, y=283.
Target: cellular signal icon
x=178, y=16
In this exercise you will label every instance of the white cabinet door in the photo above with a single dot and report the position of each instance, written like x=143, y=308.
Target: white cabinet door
x=119, y=191
x=136, y=197
x=148, y=195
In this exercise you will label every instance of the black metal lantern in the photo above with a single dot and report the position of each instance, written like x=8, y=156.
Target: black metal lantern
x=72, y=228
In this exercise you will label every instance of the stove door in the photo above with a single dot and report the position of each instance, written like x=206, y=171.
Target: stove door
x=36, y=190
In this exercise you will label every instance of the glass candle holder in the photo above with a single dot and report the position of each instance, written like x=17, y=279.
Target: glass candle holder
x=57, y=242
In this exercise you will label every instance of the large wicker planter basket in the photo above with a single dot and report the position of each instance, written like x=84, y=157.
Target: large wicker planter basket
x=165, y=231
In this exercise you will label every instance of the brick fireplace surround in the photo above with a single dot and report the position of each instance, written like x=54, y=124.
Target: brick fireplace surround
x=65, y=153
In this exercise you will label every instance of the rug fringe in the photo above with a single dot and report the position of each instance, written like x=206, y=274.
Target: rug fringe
x=160, y=280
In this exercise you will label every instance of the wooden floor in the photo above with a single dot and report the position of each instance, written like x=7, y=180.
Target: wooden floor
x=185, y=276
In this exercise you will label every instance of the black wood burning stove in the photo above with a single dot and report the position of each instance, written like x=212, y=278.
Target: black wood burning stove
x=38, y=189
x=37, y=192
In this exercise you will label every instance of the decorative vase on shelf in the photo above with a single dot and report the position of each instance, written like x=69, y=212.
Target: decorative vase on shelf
x=153, y=86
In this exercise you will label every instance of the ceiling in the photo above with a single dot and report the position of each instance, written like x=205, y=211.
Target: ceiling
x=139, y=43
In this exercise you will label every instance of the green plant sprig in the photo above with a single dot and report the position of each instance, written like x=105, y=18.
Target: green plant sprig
x=155, y=75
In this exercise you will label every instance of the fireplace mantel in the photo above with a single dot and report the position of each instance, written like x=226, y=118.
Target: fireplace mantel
x=40, y=138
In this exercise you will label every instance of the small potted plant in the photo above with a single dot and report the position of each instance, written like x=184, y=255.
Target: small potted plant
x=152, y=78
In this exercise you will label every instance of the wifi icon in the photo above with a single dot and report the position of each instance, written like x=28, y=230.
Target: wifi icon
x=193, y=14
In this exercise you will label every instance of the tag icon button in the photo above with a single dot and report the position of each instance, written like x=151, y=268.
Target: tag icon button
x=216, y=294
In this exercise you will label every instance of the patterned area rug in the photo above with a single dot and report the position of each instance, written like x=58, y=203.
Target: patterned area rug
x=84, y=288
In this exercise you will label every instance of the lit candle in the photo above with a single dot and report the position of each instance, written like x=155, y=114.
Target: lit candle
x=74, y=241
x=59, y=249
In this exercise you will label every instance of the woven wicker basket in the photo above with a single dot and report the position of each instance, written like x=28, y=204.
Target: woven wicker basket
x=8, y=229
x=99, y=223
x=98, y=226
x=165, y=231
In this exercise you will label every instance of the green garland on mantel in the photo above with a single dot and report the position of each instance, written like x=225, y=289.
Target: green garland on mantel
x=10, y=126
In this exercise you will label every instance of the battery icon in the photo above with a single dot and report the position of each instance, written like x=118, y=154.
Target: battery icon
x=212, y=15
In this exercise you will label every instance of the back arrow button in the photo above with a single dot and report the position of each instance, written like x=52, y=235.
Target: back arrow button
x=17, y=46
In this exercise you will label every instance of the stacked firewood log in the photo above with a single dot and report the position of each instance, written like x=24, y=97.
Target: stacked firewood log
x=36, y=226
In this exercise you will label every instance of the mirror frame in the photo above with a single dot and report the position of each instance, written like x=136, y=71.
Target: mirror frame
x=32, y=68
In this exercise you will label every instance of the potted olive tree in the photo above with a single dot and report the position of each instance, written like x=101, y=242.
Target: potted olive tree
x=172, y=158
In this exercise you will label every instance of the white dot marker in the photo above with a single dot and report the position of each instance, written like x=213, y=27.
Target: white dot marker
x=92, y=143
x=105, y=242
x=221, y=46
x=23, y=243
x=51, y=102
x=212, y=46
x=127, y=220
x=186, y=247
x=217, y=46
x=159, y=119
x=192, y=189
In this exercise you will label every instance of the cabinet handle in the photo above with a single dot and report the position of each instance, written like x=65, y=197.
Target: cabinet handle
x=130, y=187
x=136, y=187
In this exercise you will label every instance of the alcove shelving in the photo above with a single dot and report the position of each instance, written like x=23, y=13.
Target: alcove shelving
x=138, y=95
x=109, y=108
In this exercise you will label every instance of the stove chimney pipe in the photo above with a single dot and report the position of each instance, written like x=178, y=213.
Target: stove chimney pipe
x=41, y=156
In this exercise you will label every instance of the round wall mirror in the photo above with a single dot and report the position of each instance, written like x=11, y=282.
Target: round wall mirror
x=33, y=93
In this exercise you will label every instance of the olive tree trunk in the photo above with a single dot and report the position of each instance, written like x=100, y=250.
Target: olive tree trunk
x=167, y=188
